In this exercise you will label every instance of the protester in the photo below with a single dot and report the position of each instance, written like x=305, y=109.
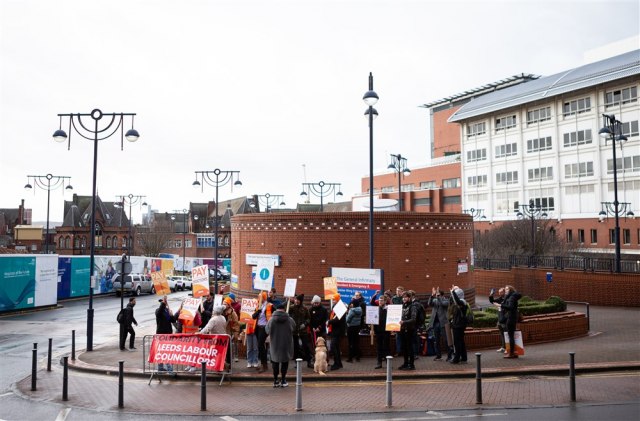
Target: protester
x=207, y=309
x=382, y=335
x=235, y=304
x=337, y=328
x=438, y=322
x=407, y=331
x=318, y=316
x=251, y=343
x=354, y=321
x=262, y=316
x=420, y=319
x=502, y=327
x=217, y=323
x=397, y=299
x=301, y=343
x=233, y=326
x=280, y=329
x=510, y=308
x=164, y=320
x=125, y=325
x=191, y=325
x=273, y=299
x=458, y=321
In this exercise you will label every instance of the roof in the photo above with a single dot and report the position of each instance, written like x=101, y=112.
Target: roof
x=77, y=213
x=591, y=74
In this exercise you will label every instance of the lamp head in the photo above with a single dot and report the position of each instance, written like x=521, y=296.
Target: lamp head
x=69, y=187
x=339, y=193
x=59, y=136
x=132, y=135
x=407, y=171
x=304, y=193
x=370, y=98
x=28, y=186
x=237, y=183
x=371, y=111
x=195, y=183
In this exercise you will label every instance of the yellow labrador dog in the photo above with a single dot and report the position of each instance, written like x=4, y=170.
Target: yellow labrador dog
x=320, y=365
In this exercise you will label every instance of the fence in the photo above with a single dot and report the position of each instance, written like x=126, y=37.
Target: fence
x=586, y=264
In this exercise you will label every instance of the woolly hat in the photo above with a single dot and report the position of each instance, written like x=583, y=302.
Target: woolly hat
x=300, y=298
x=228, y=300
x=232, y=296
x=459, y=293
x=336, y=297
x=315, y=299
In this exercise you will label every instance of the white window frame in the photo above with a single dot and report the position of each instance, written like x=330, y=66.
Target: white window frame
x=539, y=144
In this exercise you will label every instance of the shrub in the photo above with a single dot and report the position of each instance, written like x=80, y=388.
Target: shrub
x=526, y=307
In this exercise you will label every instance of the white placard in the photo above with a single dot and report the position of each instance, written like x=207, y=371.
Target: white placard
x=254, y=259
x=463, y=267
x=339, y=309
x=394, y=315
x=290, y=287
x=373, y=315
x=264, y=275
x=217, y=300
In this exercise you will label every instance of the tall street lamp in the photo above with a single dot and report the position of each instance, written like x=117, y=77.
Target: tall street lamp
x=399, y=166
x=48, y=182
x=532, y=211
x=111, y=124
x=174, y=217
x=321, y=190
x=268, y=200
x=476, y=214
x=131, y=199
x=216, y=178
x=371, y=98
x=612, y=130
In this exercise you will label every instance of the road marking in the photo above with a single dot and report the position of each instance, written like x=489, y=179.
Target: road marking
x=63, y=414
x=6, y=394
x=431, y=415
x=226, y=418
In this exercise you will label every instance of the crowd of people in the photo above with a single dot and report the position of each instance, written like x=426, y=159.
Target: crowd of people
x=279, y=331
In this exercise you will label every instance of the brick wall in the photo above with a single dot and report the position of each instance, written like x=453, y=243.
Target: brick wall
x=606, y=289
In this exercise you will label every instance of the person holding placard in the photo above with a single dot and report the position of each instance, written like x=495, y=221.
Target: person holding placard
x=382, y=335
x=407, y=331
x=233, y=326
x=510, y=309
x=337, y=328
x=318, y=318
x=262, y=315
x=354, y=321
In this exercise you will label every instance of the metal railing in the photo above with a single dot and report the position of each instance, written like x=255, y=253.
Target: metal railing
x=586, y=264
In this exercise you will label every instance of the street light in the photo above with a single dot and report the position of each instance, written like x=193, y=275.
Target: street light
x=399, y=166
x=531, y=211
x=321, y=190
x=131, y=199
x=95, y=134
x=48, y=182
x=268, y=199
x=371, y=98
x=184, y=213
x=613, y=130
x=217, y=178
x=476, y=214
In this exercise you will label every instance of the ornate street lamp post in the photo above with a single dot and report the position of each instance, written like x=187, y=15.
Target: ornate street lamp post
x=216, y=178
x=321, y=190
x=371, y=98
x=174, y=217
x=532, y=212
x=267, y=200
x=131, y=199
x=399, y=166
x=48, y=182
x=101, y=130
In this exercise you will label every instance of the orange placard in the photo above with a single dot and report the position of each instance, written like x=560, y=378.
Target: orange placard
x=160, y=283
x=330, y=287
x=189, y=308
x=249, y=306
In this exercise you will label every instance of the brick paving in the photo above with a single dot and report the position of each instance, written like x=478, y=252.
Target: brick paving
x=612, y=345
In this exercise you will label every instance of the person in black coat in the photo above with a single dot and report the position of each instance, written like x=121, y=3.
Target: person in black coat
x=510, y=309
x=408, y=330
x=164, y=318
x=502, y=327
x=125, y=325
x=337, y=328
x=382, y=336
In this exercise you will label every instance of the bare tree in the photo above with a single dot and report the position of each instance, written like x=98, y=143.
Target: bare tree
x=514, y=238
x=153, y=239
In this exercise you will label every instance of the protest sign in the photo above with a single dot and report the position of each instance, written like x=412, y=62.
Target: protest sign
x=394, y=315
x=248, y=308
x=217, y=300
x=190, y=350
x=339, y=309
x=373, y=315
x=290, y=287
x=264, y=275
x=330, y=287
x=352, y=280
x=200, y=281
x=160, y=283
x=189, y=308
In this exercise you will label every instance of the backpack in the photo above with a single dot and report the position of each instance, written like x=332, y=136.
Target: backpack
x=120, y=316
x=469, y=315
x=420, y=315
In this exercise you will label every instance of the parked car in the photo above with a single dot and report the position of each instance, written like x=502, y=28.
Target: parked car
x=221, y=274
x=187, y=282
x=177, y=283
x=135, y=284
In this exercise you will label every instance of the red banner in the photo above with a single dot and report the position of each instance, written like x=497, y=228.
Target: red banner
x=190, y=350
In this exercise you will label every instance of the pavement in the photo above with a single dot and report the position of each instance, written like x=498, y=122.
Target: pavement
x=607, y=363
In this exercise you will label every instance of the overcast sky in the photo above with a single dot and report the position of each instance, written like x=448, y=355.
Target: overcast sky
x=263, y=87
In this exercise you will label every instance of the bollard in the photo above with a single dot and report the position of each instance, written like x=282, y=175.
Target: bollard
x=65, y=378
x=121, y=384
x=389, y=381
x=34, y=367
x=49, y=354
x=298, y=384
x=203, y=387
x=572, y=376
x=73, y=345
x=478, y=379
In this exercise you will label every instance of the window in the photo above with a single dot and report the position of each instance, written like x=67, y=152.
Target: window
x=114, y=242
x=541, y=114
x=476, y=129
x=580, y=169
x=581, y=236
x=509, y=177
x=477, y=180
x=425, y=201
x=581, y=137
x=226, y=240
x=505, y=200
x=124, y=242
x=450, y=183
x=477, y=155
x=475, y=198
x=205, y=240
x=428, y=185
x=625, y=95
x=582, y=189
x=626, y=164
x=188, y=243
x=629, y=185
x=630, y=128
x=540, y=174
x=612, y=236
x=177, y=244
x=108, y=242
x=569, y=236
x=407, y=187
x=626, y=236
x=509, y=149
x=98, y=237
x=577, y=106
x=594, y=236
x=505, y=122
x=76, y=243
x=543, y=198
x=537, y=145
x=387, y=189
x=451, y=200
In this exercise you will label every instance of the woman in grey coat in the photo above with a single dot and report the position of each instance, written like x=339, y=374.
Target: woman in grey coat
x=280, y=329
x=439, y=322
